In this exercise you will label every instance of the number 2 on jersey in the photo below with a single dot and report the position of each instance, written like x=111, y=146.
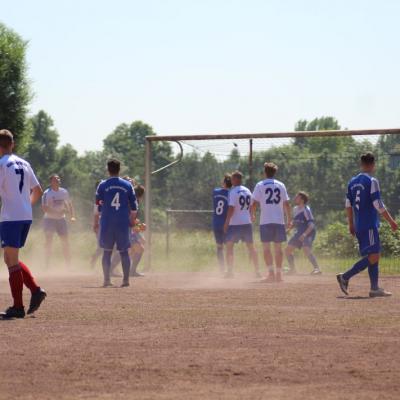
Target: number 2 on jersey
x=115, y=202
x=20, y=171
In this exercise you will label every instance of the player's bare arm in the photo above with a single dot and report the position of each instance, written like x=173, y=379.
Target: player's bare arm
x=288, y=214
x=309, y=229
x=350, y=220
x=253, y=210
x=96, y=222
x=36, y=194
x=231, y=210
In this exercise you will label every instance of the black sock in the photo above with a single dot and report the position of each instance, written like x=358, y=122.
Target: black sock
x=106, y=261
x=126, y=264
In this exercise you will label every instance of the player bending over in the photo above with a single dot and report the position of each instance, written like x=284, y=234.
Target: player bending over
x=238, y=224
x=117, y=207
x=220, y=202
x=273, y=199
x=19, y=189
x=56, y=203
x=363, y=206
x=304, y=236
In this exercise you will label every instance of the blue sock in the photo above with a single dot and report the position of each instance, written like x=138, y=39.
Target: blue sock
x=106, y=261
x=126, y=264
x=373, y=272
x=356, y=268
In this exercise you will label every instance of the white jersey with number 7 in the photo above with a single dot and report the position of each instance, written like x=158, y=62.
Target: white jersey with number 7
x=17, y=179
x=240, y=198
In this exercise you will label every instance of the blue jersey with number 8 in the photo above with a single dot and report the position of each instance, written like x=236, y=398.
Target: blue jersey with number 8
x=116, y=199
x=220, y=206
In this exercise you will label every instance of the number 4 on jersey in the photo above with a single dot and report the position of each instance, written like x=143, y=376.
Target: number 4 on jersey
x=115, y=202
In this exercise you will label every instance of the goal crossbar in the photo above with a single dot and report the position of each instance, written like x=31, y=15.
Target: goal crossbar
x=271, y=135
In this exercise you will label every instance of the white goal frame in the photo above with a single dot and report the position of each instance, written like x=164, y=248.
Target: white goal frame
x=274, y=135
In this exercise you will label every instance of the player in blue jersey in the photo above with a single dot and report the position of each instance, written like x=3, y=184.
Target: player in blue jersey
x=118, y=208
x=304, y=236
x=363, y=205
x=220, y=210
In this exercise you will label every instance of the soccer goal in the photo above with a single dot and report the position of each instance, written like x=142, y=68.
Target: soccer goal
x=318, y=162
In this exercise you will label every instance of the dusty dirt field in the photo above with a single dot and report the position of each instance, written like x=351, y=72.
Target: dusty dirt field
x=192, y=336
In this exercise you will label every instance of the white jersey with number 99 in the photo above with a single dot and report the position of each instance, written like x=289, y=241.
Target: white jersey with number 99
x=17, y=179
x=240, y=198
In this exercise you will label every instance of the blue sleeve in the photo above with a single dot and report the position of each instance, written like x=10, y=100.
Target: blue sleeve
x=132, y=199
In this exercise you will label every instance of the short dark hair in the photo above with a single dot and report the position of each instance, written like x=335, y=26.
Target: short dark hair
x=304, y=196
x=6, y=138
x=113, y=166
x=237, y=175
x=270, y=169
x=139, y=191
x=367, y=158
x=228, y=180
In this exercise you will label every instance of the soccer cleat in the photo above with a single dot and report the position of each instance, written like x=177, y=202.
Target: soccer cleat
x=13, y=312
x=343, y=284
x=125, y=284
x=36, y=300
x=136, y=274
x=316, y=271
x=107, y=284
x=380, y=292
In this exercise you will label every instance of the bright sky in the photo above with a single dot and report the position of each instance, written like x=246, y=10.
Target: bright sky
x=209, y=66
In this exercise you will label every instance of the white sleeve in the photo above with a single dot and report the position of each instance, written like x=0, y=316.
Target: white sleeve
x=285, y=196
x=33, y=181
x=347, y=203
x=232, y=198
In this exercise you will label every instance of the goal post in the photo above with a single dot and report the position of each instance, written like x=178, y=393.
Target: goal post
x=251, y=139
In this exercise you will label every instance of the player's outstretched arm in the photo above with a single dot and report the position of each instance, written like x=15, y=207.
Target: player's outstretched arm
x=36, y=194
x=387, y=216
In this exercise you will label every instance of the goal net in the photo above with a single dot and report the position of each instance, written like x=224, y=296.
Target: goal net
x=179, y=199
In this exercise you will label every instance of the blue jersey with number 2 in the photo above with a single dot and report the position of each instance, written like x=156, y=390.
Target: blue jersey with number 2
x=116, y=199
x=220, y=206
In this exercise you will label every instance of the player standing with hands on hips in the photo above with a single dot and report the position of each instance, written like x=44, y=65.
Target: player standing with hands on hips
x=118, y=206
x=19, y=189
x=363, y=206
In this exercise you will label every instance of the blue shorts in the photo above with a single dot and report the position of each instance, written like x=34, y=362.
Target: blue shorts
x=114, y=235
x=238, y=233
x=273, y=233
x=58, y=226
x=14, y=233
x=307, y=242
x=219, y=234
x=369, y=242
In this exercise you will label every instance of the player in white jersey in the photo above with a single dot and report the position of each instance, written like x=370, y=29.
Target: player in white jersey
x=238, y=224
x=56, y=204
x=19, y=189
x=271, y=195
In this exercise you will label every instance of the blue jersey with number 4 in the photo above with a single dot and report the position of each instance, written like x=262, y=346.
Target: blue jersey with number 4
x=220, y=206
x=116, y=199
x=362, y=191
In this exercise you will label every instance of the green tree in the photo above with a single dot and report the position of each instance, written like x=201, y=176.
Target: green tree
x=14, y=86
x=42, y=149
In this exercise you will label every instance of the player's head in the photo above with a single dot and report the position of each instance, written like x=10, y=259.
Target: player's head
x=227, y=182
x=270, y=169
x=301, y=198
x=139, y=191
x=113, y=167
x=237, y=178
x=367, y=161
x=55, y=180
x=6, y=141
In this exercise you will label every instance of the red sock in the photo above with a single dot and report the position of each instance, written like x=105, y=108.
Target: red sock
x=29, y=280
x=16, y=284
